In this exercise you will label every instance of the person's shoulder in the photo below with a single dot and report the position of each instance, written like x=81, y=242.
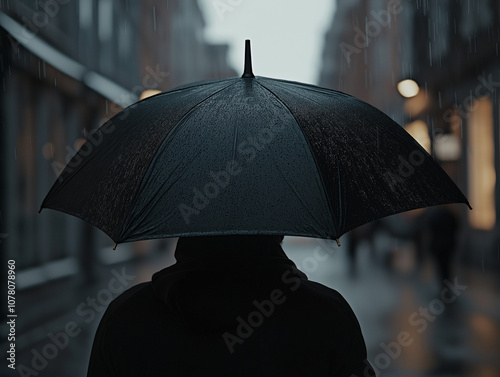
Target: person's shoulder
x=328, y=299
x=321, y=291
x=133, y=297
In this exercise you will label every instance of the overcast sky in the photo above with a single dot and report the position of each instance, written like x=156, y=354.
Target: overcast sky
x=287, y=35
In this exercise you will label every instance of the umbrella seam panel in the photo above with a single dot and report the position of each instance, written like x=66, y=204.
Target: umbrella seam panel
x=330, y=206
x=125, y=224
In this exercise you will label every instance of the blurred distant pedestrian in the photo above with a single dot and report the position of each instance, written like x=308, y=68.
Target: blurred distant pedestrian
x=442, y=225
x=230, y=306
x=362, y=233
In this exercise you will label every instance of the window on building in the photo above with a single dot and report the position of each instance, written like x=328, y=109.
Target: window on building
x=105, y=21
x=85, y=14
x=481, y=167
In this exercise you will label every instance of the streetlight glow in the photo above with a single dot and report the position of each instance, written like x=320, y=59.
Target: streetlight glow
x=408, y=88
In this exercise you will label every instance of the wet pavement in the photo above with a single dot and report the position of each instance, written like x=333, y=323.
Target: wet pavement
x=414, y=325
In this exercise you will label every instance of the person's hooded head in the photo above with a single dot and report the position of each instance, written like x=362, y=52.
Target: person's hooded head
x=217, y=278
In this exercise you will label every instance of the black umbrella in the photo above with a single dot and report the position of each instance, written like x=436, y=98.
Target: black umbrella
x=247, y=155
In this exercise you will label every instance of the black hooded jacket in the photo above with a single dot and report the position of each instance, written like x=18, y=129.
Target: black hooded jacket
x=230, y=306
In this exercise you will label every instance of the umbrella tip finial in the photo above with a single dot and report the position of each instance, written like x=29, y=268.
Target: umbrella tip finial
x=248, y=61
x=114, y=247
x=338, y=242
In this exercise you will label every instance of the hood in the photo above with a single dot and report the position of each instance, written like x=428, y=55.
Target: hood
x=217, y=279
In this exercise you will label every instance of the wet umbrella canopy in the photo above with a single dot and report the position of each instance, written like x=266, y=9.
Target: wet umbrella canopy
x=247, y=155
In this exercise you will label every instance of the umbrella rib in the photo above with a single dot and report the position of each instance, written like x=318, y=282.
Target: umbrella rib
x=235, y=139
x=312, y=88
x=125, y=223
x=198, y=84
x=311, y=151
